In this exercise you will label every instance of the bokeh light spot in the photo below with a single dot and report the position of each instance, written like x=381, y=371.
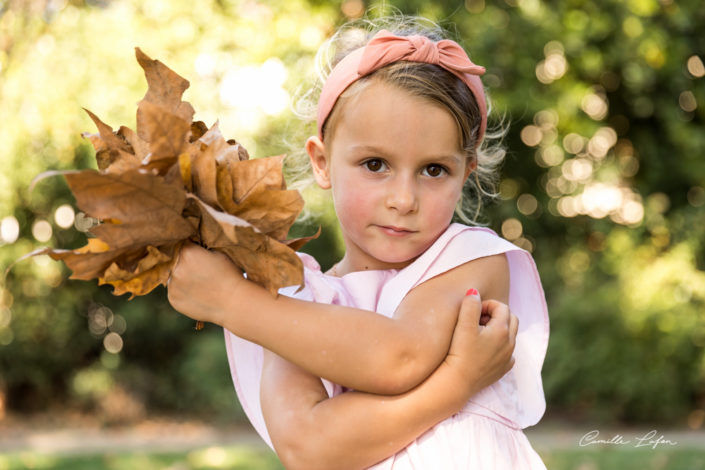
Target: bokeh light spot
x=508, y=188
x=574, y=143
x=99, y=319
x=9, y=229
x=600, y=199
x=567, y=206
x=696, y=67
x=5, y=317
x=600, y=143
x=554, y=66
x=527, y=204
x=113, y=343
x=118, y=325
x=577, y=169
x=531, y=135
x=42, y=231
x=512, y=229
x=353, y=8
x=687, y=101
x=310, y=37
x=205, y=64
x=632, y=27
x=595, y=105
x=549, y=156
x=658, y=202
x=579, y=261
x=632, y=212
x=64, y=216
x=696, y=196
x=546, y=118
x=249, y=89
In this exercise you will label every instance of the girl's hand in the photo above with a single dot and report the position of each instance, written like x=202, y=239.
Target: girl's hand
x=201, y=283
x=482, y=345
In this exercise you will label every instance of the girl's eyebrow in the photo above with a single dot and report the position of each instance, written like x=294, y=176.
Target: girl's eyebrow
x=447, y=159
x=368, y=149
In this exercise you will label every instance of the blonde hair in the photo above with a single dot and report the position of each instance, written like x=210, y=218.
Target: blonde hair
x=427, y=81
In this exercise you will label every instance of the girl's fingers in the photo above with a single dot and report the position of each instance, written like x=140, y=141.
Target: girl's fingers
x=470, y=310
x=513, y=326
x=498, y=312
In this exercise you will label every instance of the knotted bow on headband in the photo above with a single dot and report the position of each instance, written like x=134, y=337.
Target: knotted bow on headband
x=385, y=48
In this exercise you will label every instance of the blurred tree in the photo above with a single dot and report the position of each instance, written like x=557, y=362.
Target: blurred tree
x=72, y=342
x=603, y=183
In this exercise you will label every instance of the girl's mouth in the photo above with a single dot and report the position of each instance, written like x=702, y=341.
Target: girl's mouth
x=395, y=231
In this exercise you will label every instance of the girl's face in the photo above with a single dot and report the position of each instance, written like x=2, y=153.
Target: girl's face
x=396, y=171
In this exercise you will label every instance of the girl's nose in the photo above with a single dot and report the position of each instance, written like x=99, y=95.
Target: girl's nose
x=402, y=196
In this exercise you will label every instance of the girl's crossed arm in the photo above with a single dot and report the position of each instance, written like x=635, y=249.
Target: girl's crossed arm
x=355, y=430
x=355, y=348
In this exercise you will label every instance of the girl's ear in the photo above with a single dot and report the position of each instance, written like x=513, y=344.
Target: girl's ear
x=316, y=150
x=470, y=167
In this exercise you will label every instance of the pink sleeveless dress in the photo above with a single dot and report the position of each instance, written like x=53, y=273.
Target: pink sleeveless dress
x=487, y=433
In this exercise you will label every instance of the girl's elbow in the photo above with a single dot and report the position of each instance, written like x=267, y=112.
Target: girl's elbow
x=303, y=456
x=290, y=458
x=300, y=445
x=292, y=452
x=402, y=372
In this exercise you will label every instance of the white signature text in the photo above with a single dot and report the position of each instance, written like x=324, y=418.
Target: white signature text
x=651, y=439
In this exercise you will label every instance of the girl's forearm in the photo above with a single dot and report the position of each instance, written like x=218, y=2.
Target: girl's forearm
x=354, y=430
x=355, y=348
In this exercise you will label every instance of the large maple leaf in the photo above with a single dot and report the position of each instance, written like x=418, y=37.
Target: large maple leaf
x=172, y=181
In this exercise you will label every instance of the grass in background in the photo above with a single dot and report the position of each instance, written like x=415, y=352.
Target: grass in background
x=230, y=457
x=610, y=458
x=245, y=458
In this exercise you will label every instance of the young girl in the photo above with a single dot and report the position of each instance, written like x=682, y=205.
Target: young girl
x=411, y=380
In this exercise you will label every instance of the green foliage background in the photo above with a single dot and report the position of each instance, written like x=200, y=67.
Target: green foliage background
x=605, y=105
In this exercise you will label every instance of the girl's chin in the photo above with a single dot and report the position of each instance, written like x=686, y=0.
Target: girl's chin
x=392, y=261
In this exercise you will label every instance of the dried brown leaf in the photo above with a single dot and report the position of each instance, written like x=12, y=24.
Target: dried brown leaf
x=198, y=128
x=219, y=229
x=140, y=147
x=88, y=262
x=273, y=212
x=175, y=180
x=151, y=271
x=132, y=195
x=266, y=261
x=164, y=88
x=106, y=135
x=147, y=210
x=224, y=189
x=274, y=266
x=203, y=176
x=113, y=152
x=260, y=174
x=166, y=133
x=218, y=148
x=185, y=171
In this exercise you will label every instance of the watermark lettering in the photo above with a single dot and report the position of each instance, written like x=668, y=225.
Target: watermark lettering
x=651, y=439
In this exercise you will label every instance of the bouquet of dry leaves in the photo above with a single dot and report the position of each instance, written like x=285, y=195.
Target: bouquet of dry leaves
x=174, y=181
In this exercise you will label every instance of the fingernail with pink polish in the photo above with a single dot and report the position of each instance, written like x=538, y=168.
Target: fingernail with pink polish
x=472, y=292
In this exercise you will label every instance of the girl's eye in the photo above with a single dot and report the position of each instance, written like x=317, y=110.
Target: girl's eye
x=374, y=165
x=434, y=170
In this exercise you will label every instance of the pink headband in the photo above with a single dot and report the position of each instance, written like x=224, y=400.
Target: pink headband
x=385, y=48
